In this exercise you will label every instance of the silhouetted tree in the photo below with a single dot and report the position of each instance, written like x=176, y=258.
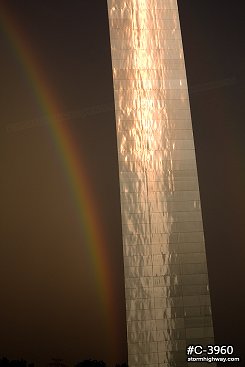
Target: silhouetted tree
x=91, y=363
x=4, y=362
x=18, y=363
x=57, y=362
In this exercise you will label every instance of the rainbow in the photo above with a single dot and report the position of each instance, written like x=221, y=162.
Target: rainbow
x=75, y=173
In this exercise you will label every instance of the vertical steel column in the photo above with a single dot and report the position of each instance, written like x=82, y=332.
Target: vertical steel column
x=166, y=281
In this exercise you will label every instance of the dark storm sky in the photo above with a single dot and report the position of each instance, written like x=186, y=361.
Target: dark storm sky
x=48, y=301
x=215, y=50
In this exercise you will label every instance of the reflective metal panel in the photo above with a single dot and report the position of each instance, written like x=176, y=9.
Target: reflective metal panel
x=166, y=282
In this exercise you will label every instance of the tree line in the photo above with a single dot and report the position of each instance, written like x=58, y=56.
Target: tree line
x=5, y=362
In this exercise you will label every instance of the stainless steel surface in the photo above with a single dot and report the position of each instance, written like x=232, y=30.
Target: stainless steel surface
x=166, y=282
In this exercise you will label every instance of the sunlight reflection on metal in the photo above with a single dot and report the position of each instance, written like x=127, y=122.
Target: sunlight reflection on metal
x=166, y=281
